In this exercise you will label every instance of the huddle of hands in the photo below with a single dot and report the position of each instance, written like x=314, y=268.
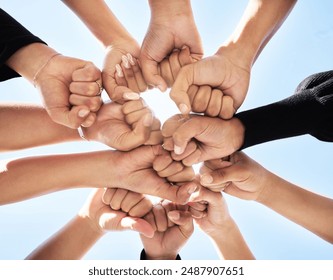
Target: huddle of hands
x=154, y=160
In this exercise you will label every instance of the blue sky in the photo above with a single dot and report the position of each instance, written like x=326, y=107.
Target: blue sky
x=301, y=47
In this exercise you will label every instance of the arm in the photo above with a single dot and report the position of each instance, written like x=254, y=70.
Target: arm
x=230, y=68
x=84, y=230
x=246, y=179
x=59, y=172
x=13, y=36
x=121, y=47
x=172, y=26
x=220, y=226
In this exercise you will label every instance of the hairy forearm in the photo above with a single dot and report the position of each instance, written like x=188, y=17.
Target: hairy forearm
x=100, y=20
x=71, y=242
x=29, y=177
x=311, y=211
x=30, y=126
x=260, y=21
x=230, y=243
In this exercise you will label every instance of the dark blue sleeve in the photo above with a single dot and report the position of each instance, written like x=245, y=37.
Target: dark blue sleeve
x=308, y=111
x=13, y=36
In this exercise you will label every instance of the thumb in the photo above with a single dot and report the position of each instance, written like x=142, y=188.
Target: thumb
x=72, y=118
x=139, y=225
x=180, y=87
x=149, y=69
x=183, y=220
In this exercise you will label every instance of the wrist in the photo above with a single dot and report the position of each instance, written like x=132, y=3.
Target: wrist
x=164, y=256
x=239, y=54
x=89, y=226
x=238, y=133
x=28, y=60
x=161, y=8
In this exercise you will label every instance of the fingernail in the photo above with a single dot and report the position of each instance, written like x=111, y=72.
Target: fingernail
x=119, y=71
x=178, y=150
x=192, y=189
x=125, y=61
x=148, y=120
x=206, y=179
x=131, y=96
x=83, y=113
x=184, y=47
x=130, y=58
x=161, y=88
x=174, y=215
x=183, y=108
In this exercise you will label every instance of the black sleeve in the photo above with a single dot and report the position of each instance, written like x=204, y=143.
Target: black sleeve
x=308, y=111
x=143, y=256
x=13, y=36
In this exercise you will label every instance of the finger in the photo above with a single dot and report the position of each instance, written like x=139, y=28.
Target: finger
x=72, y=118
x=133, y=106
x=170, y=126
x=139, y=225
x=140, y=81
x=150, y=73
x=201, y=100
x=88, y=73
x=174, y=63
x=161, y=219
x=170, y=170
x=151, y=220
x=227, y=109
x=192, y=92
x=89, y=120
x=197, y=214
x=93, y=103
x=185, y=56
x=108, y=194
x=166, y=72
x=190, y=148
x=168, y=143
x=203, y=194
x=180, y=87
x=161, y=162
x=155, y=138
x=130, y=200
x=117, y=199
x=142, y=208
x=183, y=220
x=222, y=177
x=215, y=103
x=129, y=74
x=198, y=206
x=120, y=77
x=135, y=116
x=169, y=206
x=193, y=158
x=215, y=164
x=86, y=88
x=185, y=175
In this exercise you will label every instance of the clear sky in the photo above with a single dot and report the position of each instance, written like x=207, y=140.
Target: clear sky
x=301, y=47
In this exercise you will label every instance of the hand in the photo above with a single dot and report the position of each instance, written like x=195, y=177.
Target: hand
x=173, y=225
x=241, y=177
x=122, y=77
x=221, y=71
x=102, y=218
x=215, y=217
x=134, y=171
x=198, y=138
x=125, y=127
x=171, y=27
x=67, y=81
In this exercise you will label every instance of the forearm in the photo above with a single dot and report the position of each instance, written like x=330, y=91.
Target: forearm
x=230, y=243
x=71, y=242
x=309, y=210
x=260, y=21
x=25, y=126
x=100, y=20
x=29, y=177
x=28, y=60
x=160, y=8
